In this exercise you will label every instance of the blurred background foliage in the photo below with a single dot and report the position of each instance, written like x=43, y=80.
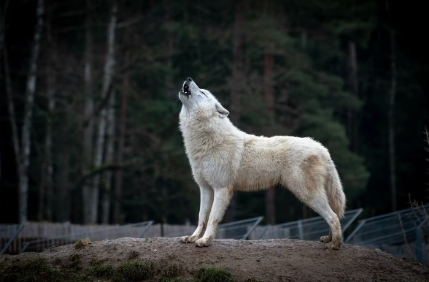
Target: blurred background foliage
x=326, y=69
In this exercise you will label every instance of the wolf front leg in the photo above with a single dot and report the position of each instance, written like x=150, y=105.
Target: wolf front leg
x=222, y=197
x=206, y=195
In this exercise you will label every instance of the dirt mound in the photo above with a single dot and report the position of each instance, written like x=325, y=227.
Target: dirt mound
x=262, y=260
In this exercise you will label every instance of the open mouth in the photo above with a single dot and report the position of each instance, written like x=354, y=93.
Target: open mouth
x=186, y=90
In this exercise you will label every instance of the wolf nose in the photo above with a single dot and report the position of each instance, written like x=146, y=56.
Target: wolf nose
x=189, y=79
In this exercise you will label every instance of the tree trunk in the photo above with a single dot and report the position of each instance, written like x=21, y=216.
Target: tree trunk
x=88, y=130
x=143, y=195
x=12, y=115
x=109, y=159
x=120, y=150
x=304, y=39
x=50, y=92
x=269, y=104
x=270, y=208
x=65, y=197
x=101, y=138
x=169, y=46
x=352, y=124
x=392, y=164
x=1, y=50
x=28, y=115
x=236, y=84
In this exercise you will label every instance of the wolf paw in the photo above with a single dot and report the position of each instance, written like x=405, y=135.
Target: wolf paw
x=326, y=239
x=188, y=239
x=203, y=242
x=184, y=239
x=333, y=245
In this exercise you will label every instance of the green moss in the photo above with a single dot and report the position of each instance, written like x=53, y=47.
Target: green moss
x=36, y=269
x=212, y=274
x=58, y=261
x=74, y=262
x=171, y=270
x=133, y=271
x=99, y=270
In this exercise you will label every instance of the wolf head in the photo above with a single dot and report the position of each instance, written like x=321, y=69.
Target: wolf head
x=196, y=100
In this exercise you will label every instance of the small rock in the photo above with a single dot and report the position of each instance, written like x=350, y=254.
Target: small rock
x=82, y=243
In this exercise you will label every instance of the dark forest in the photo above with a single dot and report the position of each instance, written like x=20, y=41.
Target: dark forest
x=89, y=108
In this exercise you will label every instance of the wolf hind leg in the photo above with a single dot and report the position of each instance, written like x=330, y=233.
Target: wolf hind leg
x=321, y=205
x=311, y=192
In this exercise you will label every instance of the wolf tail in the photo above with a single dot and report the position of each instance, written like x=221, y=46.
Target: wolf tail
x=334, y=191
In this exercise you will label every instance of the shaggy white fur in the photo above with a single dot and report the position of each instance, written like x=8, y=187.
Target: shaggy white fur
x=224, y=158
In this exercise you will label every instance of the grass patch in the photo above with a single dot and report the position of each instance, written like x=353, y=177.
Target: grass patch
x=98, y=269
x=212, y=274
x=133, y=271
x=74, y=262
x=171, y=270
x=36, y=269
x=58, y=261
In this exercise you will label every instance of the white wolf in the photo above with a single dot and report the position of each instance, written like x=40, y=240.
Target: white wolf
x=224, y=159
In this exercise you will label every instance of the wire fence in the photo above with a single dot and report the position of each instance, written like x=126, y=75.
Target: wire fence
x=8, y=234
x=240, y=229
x=403, y=233
x=136, y=230
x=306, y=229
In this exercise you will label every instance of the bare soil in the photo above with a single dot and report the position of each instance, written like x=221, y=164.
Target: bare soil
x=262, y=260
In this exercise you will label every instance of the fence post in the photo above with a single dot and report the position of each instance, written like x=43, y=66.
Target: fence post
x=20, y=228
x=149, y=224
x=300, y=230
x=258, y=220
x=419, y=246
x=24, y=247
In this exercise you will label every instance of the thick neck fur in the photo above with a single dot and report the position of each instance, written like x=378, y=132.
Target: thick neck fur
x=204, y=130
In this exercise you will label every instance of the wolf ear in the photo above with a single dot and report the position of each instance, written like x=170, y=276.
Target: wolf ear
x=221, y=110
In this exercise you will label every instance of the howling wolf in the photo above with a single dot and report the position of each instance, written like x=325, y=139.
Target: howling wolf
x=224, y=158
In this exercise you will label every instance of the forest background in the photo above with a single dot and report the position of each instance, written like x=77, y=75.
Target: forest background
x=89, y=108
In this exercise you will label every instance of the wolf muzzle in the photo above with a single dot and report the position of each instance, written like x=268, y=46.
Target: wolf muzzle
x=186, y=91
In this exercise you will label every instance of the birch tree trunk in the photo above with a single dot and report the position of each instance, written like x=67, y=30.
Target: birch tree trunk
x=109, y=159
x=101, y=138
x=391, y=118
x=28, y=115
x=12, y=115
x=88, y=130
